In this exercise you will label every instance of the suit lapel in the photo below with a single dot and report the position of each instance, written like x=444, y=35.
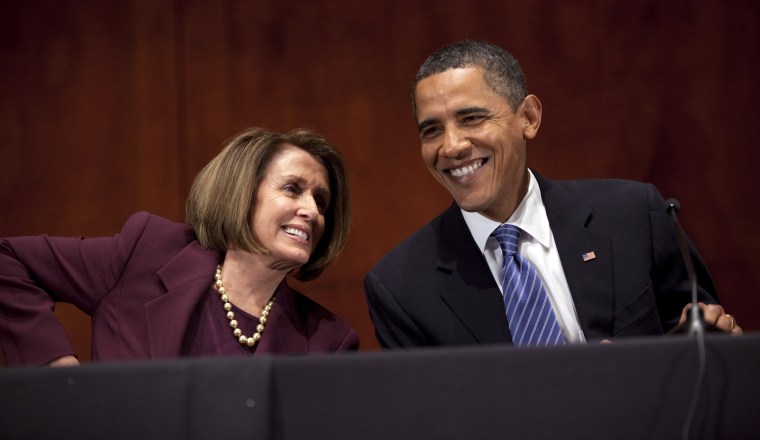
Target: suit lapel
x=187, y=277
x=466, y=284
x=590, y=282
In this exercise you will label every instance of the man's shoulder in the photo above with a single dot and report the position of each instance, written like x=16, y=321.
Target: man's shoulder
x=597, y=191
x=417, y=249
x=590, y=184
x=604, y=205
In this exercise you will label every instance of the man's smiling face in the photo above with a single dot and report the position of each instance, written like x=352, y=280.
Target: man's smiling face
x=473, y=142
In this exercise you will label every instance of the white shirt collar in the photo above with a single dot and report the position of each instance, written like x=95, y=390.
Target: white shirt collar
x=530, y=216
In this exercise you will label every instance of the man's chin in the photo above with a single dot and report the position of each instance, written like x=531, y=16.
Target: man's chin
x=469, y=205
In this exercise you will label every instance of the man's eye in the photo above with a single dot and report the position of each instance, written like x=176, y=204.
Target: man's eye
x=430, y=132
x=472, y=119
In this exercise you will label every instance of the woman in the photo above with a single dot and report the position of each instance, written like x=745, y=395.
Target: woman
x=269, y=205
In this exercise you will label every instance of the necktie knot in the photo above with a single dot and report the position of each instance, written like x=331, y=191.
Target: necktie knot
x=508, y=237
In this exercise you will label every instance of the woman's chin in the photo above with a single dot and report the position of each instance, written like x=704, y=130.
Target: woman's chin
x=290, y=264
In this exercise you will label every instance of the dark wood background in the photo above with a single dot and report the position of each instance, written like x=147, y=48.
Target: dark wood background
x=107, y=108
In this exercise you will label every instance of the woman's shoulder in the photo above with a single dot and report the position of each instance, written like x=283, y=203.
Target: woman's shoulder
x=309, y=308
x=322, y=325
x=144, y=218
x=143, y=222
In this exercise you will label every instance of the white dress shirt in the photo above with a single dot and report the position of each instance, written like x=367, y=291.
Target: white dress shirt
x=537, y=246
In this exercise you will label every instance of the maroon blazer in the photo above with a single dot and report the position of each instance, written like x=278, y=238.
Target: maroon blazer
x=140, y=287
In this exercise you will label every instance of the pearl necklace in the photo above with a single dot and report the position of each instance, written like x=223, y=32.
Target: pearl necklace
x=243, y=339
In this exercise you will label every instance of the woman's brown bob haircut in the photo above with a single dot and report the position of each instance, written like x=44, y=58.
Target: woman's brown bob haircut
x=223, y=197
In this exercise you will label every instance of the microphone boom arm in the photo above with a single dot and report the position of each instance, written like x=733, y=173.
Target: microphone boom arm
x=695, y=323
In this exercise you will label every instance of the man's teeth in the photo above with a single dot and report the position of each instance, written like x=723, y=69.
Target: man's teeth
x=298, y=232
x=469, y=169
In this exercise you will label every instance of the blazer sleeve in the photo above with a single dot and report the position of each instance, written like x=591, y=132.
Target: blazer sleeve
x=35, y=272
x=394, y=328
x=670, y=280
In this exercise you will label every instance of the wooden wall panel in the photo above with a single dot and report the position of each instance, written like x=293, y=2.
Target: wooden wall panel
x=108, y=108
x=159, y=158
x=65, y=103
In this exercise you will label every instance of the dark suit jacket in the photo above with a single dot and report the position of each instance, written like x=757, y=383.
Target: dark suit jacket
x=141, y=288
x=435, y=287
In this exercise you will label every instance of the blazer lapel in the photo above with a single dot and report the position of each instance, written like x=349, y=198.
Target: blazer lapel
x=284, y=332
x=590, y=279
x=466, y=284
x=186, y=277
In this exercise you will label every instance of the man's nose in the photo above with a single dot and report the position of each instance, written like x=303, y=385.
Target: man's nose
x=455, y=144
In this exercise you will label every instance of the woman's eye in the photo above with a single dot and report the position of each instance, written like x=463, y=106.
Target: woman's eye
x=292, y=189
x=321, y=204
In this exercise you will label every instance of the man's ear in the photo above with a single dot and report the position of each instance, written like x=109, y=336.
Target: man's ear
x=530, y=111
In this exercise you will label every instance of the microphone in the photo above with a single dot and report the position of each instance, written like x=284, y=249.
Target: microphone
x=694, y=325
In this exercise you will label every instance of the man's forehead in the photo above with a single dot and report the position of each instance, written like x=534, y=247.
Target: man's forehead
x=458, y=96
x=459, y=75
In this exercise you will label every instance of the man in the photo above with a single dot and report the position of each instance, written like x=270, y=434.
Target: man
x=605, y=251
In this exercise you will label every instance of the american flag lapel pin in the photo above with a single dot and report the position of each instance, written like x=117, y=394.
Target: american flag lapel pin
x=588, y=256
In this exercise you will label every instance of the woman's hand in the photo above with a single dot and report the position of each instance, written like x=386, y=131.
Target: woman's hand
x=64, y=361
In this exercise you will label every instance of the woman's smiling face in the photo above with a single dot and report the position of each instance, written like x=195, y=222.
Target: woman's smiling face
x=289, y=214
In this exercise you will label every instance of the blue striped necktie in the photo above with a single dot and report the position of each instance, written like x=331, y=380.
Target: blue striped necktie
x=529, y=312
